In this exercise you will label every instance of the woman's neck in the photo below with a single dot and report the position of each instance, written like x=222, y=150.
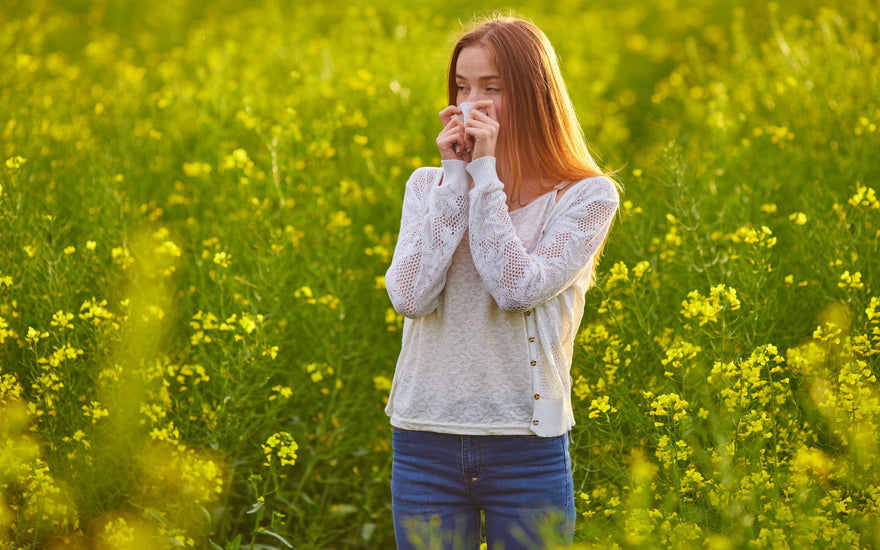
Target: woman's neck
x=526, y=190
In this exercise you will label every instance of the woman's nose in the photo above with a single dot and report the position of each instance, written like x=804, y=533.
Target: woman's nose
x=473, y=96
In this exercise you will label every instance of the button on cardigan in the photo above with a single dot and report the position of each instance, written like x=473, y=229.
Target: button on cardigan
x=549, y=281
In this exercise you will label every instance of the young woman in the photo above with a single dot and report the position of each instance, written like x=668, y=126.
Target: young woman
x=495, y=252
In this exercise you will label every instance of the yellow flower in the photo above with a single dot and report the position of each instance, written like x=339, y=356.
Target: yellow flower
x=629, y=208
x=799, y=218
x=641, y=268
x=678, y=352
x=221, y=259
x=196, y=169
x=34, y=335
x=281, y=391
x=94, y=411
x=248, y=323
x=15, y=162
x=122, y=256
x=393, y=320
x=669, y=405
x=750, y=235
x=168, y=248
x=47, y=498
x=318, y=371
x=600, y=406
x=808, y=463
x=865, y=196
x=94, y=310
x=117, y=534
x=280, y=447
x=304, y=292
x=853, y=281
x=619, y=272
x=62, y=320
x=692, y=481
x=706, y=308
x=338, y=220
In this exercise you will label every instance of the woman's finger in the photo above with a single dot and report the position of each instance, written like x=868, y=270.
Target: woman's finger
x=482, y=132
x=452, y=142
x=448, y=113
x=485, y=107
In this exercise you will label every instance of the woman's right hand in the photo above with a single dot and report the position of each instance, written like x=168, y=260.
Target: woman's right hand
x=452, y=136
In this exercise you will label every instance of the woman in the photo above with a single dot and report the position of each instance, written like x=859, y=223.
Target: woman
x=495, y=252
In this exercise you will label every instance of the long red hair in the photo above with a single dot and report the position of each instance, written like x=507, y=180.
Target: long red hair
x=541, y=137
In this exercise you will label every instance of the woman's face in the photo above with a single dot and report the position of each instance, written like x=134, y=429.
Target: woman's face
x=477, y=79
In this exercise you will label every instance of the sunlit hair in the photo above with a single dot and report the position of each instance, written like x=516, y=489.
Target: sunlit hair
x=540, y=136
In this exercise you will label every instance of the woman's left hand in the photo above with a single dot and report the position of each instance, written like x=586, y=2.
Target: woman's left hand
x=482, y=129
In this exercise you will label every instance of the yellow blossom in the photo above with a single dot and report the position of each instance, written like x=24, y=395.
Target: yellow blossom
x=382, y=383
x=196, y=169
x=15, y=162
x=669, y=405
x=281, y=391
x=799, y=218
x=600, y=406
x=706, y=308
x=62, y=320
x=679, y=352
x=618, y=272
x=221, y=259
x=866, y=197
x=641, y=268
x=122, y=256
x=95, y=411
x=853, y=281
x=280, y=448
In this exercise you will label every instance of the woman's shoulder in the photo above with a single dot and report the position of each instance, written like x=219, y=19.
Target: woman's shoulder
x=590, y=189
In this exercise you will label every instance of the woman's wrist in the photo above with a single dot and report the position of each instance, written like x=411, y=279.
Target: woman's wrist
x=454, y=174
x=483, y=171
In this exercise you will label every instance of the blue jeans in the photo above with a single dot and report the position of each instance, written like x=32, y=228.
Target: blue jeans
x=441, y=482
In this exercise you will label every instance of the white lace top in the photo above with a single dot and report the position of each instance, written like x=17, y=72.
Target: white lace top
x=443, y=381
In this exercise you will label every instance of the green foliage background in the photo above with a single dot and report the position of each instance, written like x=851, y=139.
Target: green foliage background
x=199, y=201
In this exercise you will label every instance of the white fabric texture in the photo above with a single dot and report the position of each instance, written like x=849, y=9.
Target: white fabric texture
x=482, y=388
x=543, y=286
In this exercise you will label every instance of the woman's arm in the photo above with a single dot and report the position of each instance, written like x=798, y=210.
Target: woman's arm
x=433, y=221
x=517, y=280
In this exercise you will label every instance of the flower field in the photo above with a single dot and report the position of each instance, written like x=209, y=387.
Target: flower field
x=198, y=202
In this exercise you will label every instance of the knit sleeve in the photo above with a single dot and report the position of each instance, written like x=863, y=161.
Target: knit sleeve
x=433, y=221
x=519, y=280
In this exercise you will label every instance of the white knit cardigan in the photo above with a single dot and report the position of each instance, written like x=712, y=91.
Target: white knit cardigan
x=546, y=285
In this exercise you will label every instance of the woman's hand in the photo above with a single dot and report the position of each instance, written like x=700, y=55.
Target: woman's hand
x=481, y=133
x=451, y=142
